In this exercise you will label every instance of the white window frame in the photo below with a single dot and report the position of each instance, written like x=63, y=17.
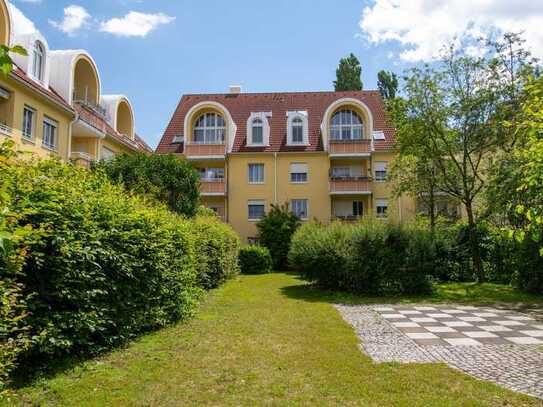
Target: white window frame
x=335, y=169
x=207, y=174
x=215, y=128
x=257, y=202
x=109, y=156
x=298, y=168
x=260, y=165
x=54, y=125
x=381, y=203
x=263, y=116
x=380, y=167
x=293, y=204
x=39, y=55
x=342, y=125
x=291, y=116
x=29, y=136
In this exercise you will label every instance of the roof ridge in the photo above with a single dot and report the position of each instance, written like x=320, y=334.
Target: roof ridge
x=369, y=91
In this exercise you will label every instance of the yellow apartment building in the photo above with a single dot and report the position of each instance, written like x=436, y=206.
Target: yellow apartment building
x=326, y=154
x=52, y=104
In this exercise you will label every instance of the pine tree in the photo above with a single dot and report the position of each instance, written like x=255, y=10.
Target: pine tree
x=387, y=82
x=348, y=74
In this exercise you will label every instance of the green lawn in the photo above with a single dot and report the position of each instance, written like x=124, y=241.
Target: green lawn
x=261, y=340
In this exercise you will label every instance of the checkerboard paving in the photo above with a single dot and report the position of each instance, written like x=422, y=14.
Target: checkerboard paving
x=463, y=325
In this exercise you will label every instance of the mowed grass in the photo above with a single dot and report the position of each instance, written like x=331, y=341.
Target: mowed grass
x=259, y=340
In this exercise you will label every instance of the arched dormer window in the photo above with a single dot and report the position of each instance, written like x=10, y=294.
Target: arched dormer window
x=297, y=130
x=38, y=64
x=258, y=129
x=209, y=128
x=346, y=125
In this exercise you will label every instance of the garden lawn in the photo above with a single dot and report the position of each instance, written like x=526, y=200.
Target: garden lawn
x=259, y=340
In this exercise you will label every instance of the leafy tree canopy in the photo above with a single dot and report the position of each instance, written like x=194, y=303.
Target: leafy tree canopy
x=348, y=74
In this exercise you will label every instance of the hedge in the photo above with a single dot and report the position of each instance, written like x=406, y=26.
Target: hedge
x=255, y=260
x=370, y=257
x=87, y=266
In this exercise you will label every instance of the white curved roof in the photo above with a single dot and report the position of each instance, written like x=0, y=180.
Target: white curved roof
x=111, y=104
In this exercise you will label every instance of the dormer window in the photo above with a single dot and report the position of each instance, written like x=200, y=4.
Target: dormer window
x=209, y=129
x=346, y=125
x=258, y=129
x=38, y=65
x=297, y=130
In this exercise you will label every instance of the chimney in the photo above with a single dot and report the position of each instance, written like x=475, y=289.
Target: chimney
x=235, y=89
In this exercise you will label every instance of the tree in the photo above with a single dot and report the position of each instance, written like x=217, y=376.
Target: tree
x=275, y=232
x=6, y=63
x=348, y=74
x=163, y=177
x=387, y=82
x=454, y=117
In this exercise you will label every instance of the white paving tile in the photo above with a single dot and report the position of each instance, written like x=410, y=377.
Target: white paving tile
x=462, y=341
x=508, y=323
x=393, y=316
x=485, y=314
x=423, y=319
x=537, y=326
x=525, y=340
x=519, y=318
x=437, y=329
x=405, y=324
x=537, y=334
x=410, y=312
x=457, y=323
x=472, y=319
x=380, y=309
x=467, y=307
x=425, y=308
x=439, y=315
x=421, y=335
x=480, y=334
x=453, y=311
x=494, y=328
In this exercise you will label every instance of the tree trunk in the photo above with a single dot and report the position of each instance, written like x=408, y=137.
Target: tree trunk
x=474, y=245
x=432, y=211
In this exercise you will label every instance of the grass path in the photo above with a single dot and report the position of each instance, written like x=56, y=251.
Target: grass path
x=255, y=343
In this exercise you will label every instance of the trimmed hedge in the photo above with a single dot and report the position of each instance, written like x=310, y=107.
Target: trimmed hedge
x=89, y=266
x=370, y=257
x=255, y=260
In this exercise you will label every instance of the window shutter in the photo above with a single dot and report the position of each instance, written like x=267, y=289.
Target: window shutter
x=298, y=168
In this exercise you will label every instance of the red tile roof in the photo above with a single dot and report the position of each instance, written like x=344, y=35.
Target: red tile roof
x=48, y=92
x=241, y=105
x=143, y=145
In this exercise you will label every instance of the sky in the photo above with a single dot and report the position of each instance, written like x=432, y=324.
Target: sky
x=154, y=51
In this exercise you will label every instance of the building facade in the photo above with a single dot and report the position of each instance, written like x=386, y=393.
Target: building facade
x=51, y=103
x=325, y=154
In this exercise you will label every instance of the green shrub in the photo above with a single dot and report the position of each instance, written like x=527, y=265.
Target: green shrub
x=275, y=232
x=163, y=177
x=370, y=257
x=91, y=265
x=255, y=260
x=216, y=252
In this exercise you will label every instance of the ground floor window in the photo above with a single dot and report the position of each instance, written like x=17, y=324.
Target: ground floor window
x=256, y=210
x=358, y=208
x=107, y=154
x=299, y=208
x=381, y=208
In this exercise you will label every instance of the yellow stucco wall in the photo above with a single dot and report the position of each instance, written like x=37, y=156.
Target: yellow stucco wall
x=113, y=145
x=21, y=96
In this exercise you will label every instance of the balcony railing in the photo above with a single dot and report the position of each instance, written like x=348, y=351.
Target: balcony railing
x=96, y=108
x=82, y=159
x=5, y=129
x=212, y=186
x=350, y=147
x=205, y=150
x=350, y=185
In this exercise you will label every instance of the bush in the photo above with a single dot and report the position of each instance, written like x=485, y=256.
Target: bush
x=275, y=232
x=93, y=266
x=370, y=257
x=255, y=260
x=163, y=177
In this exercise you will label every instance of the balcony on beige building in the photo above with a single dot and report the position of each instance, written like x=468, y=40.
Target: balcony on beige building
x=350, y=186
x=350, y=148
x=200, y=151
x=212, y=187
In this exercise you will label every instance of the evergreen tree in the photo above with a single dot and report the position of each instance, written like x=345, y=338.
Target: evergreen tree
x=348, y=74
x=387, y=82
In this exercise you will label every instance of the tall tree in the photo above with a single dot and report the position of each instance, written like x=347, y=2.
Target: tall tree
x=348, y=74
x=454, y=117
x=387, y=82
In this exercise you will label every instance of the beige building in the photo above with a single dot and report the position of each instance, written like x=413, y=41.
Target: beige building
x=326, y=154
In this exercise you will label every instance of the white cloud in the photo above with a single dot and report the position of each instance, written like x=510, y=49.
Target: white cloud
x=135, y=24
x=422, y=27
x=75, y=18
x=21, y=24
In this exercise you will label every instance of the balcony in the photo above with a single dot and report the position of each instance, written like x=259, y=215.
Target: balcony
x=351, y=186
x=200, y=151
x=82, y=159
x=212, y=187
x=350, y=148
x=5, y=130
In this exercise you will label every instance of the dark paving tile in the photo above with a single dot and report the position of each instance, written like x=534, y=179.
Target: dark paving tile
x=450, y=335
x=412, y=329
x=430, y=342
x=494, y=341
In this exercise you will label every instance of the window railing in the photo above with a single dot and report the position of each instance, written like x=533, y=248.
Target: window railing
x=5, y=129
x=96, y=108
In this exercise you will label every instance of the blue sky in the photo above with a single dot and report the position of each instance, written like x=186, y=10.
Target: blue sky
x=279, y=45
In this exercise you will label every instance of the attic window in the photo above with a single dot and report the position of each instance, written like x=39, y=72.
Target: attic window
x=297, y=128
x=378, y=135
x=38, y=65
x=258, y=129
